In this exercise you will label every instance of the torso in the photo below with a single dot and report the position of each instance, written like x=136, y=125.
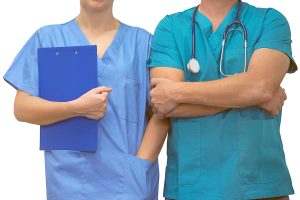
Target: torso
x=109, y=173
x=226, y=156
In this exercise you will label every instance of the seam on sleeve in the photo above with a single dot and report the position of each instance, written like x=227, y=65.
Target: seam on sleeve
x=41, y=37
x=23, y=87
x=172, y=31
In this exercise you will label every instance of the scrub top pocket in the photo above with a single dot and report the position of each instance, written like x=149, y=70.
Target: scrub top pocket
x=261, y=152
x=189, y=151
x=128, y=100
x=110, y=174
x=136, y=178
x=234, y=59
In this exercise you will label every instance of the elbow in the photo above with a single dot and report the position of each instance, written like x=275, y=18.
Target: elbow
x=22, y=116
x=263, y=96
x=265, y=92
x=18, y=113
x=18, y=117
x=21, y=113
x=258, y=93
x=19, y=107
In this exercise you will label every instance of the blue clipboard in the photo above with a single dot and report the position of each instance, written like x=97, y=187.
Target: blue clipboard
x=66, y=73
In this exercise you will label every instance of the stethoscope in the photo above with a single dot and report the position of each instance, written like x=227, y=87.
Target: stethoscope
x=194, y=66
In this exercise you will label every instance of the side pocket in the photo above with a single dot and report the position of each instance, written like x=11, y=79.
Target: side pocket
x=250, y=149
x=109, y=169
x=189, y=152
x=261, y=155
x=136, y=183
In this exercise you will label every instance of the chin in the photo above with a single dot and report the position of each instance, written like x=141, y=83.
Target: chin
x=96, y=5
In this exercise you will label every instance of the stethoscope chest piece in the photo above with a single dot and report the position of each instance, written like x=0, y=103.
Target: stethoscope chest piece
x=193, y=66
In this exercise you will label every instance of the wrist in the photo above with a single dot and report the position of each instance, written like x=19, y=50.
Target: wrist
x=72, y=108
x=146, y=157
x=177, y=92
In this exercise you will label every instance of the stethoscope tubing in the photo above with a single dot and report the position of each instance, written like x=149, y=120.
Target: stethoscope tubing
x=194, y=32
x=236, y=22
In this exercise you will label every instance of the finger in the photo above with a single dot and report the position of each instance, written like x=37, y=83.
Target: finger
x=152, y=92
x=154, y=109
x=285, y=96
x=279, y=107
x=155, y=81
x=278, y=110
x=105, y=89
x=274, y=112
x=151, y=105
x=281, y=100
x=170, y=114
x=157, y=113
x=105, y=94
x=283, y=92
x=102, y=89
x=161, y=116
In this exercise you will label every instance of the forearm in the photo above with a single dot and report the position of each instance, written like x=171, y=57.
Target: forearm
x=238, y=91
x=38, y=111
x=154, y=138
x=192, y=110
x=267, y=69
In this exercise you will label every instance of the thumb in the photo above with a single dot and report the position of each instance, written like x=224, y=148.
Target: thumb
x=102, y=89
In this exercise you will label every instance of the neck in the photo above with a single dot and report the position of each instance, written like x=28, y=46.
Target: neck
x=97, y=21
x=216, y=8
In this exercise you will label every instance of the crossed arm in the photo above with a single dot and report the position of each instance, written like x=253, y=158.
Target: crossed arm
x=259, y=86
x=158, y=126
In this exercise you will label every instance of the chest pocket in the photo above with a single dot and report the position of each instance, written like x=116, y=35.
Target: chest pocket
x=128, y=99
x=123, y=76
x=233, y=59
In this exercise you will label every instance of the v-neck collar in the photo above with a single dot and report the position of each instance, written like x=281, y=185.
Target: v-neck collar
x=205, y=24
x=83, y=39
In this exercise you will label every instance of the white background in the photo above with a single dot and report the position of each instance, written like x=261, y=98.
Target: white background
x=22, y=164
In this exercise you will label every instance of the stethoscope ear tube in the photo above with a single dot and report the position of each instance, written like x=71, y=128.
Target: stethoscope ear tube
x=193, y=32
x=193, y=65
x=237, y=23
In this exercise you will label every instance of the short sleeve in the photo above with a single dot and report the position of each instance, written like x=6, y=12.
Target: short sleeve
x=164, y=51
x=23, y=72
x=276, y=34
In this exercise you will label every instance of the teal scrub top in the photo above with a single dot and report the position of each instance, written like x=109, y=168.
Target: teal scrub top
x=233, y=155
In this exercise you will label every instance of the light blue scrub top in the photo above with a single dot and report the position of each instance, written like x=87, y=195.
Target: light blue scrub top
x=113, y=172
x=237, y=154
